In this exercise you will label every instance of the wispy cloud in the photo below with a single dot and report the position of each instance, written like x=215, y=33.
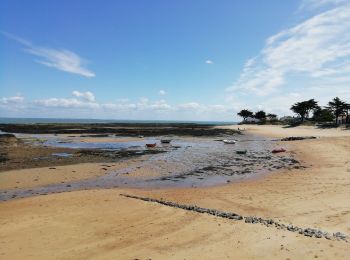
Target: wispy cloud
x=209, y=62
x=316, y=49
x=314, y=4
x=89, y=96
x=60, y=59
x=162, y=92
x=65, y=103
x=12, y=100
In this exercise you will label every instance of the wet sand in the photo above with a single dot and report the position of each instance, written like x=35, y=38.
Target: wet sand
x=101, y=224
x=37, y=177
x=187, y=162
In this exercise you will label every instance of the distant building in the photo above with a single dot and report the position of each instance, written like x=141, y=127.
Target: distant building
x=341, y=119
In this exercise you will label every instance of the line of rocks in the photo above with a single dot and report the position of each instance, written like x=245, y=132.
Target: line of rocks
x=309, y=232
x=298, y=138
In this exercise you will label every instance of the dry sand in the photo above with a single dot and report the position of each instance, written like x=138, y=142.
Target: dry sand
x=285, y=131
x=101, y=224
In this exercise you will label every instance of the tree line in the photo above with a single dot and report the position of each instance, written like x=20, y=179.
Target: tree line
x=334, y=109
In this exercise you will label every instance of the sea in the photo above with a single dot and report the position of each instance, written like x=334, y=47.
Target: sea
x=9, y=120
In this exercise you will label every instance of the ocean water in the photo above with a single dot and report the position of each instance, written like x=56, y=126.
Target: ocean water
x=8, y=120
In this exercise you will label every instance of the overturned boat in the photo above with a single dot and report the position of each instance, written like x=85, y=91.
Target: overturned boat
x=226, y=141
x=165, y=141
x=278, y=150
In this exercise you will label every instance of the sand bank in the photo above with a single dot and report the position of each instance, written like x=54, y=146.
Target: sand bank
x=285, y=131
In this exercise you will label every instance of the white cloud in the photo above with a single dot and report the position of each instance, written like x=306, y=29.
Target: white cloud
x=315, y=49
x=189, y=106
x=209, y=62
x=314, y=4
x=12, y=100
x=60, y=59
x=88, y=96
x=143, y=108
x=65, y=103
x=162, y=92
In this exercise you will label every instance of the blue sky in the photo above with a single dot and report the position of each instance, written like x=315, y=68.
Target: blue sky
x=180, y=60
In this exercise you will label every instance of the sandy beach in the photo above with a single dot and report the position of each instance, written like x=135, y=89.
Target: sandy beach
x=101, y=224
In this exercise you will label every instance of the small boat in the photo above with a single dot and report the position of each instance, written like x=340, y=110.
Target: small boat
x=241, y=151
x=165, y=141
x=151, y=145
x=226, y=141
x=279, y=150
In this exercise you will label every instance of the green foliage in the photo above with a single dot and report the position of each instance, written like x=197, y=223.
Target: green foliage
x=338, y=107
x=261, y=115
x=323, y=115
x=245, y=113
x=304, y=108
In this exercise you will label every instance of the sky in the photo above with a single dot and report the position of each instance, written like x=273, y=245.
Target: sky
x=170, y=60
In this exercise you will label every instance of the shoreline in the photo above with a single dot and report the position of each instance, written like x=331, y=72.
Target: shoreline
x=316, y=196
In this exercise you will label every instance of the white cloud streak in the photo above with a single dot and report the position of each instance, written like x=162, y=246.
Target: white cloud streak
x=12, y=100
x=60, y=59
x=314, y=4
x=317, y=48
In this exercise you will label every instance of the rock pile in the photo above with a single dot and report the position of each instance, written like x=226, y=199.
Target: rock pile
x=298, y=138
x=309, y=232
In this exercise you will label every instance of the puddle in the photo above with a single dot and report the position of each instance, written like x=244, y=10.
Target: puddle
x=62, y=154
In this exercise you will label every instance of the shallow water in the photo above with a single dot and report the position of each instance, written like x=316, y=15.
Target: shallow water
x=62, y=154
x=195, y=162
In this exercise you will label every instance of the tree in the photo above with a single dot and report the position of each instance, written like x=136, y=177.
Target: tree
x=300, y=109
x=311, y=105
x=323, y=115
x=304, y=108
x=337, y=106
x=261, y=115
x=245, y=113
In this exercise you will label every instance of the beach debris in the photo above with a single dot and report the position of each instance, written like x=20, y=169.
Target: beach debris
x=297, y=138
x=279, y=150
x=308, y=232
x=229, y=141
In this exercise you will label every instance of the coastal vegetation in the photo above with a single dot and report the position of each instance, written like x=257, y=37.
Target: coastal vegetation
x=336, y=112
